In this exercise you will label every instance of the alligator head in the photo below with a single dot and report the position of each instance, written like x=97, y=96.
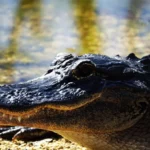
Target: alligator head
x=92, y=97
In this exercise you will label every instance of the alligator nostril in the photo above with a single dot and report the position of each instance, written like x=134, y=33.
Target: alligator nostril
x=49, y=71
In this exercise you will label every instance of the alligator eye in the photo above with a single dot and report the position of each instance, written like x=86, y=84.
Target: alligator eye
x=142, y=104
x=83, y=70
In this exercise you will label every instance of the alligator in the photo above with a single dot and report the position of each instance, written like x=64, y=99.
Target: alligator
x=100, y=102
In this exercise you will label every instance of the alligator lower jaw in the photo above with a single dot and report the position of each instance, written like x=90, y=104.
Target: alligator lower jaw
x=10, y=119
x=25, y=118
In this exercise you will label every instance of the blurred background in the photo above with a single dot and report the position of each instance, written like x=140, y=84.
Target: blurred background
x=32, y=32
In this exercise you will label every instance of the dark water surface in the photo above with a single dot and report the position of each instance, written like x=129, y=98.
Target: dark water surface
x=32, y=32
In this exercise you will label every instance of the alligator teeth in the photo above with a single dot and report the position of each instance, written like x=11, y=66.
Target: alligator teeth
x=19, y=119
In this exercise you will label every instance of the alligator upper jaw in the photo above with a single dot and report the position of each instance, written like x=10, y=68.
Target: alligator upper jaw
x=48, y=91
x=52, y=114
x=27, y=98
x=33, y=110
x=41, y=116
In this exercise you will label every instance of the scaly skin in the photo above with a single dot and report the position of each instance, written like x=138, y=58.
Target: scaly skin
x=99, y=102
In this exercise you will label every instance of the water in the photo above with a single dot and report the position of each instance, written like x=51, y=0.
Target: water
x=32, y=32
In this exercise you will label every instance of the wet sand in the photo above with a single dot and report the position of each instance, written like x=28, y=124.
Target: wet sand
x=46, y=144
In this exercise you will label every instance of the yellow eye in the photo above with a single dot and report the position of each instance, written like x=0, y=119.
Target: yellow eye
x=83, y=70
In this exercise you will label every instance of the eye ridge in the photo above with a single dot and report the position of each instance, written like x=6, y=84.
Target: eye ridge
x=83, y=70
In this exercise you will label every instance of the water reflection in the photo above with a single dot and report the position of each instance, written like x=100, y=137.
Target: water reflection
x=134, y=26
x=25, y=9
x=86, y=21
x=32, y=32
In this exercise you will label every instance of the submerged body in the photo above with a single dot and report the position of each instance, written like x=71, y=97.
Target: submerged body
x=97, y=101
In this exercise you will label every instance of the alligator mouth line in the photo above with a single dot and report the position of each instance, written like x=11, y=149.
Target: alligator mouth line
x=28, y=113
x=11, y=117
x=19, y=118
